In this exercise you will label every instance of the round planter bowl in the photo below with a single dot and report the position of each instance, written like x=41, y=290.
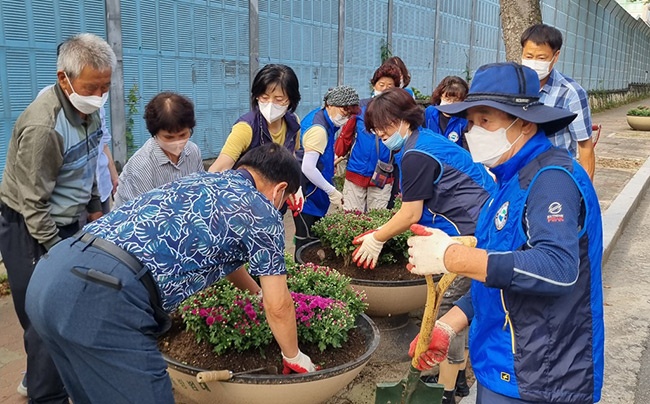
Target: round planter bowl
x=386, y=298
x=313, y=387
x=638, y=122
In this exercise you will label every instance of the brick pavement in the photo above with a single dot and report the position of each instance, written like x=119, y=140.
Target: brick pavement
x=620, y=153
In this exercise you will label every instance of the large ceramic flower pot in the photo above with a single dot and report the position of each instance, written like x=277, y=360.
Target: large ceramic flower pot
x=639, y=122
x=274, y=389
x=386, y=298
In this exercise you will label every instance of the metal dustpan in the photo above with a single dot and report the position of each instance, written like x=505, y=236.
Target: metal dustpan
x=411, y=389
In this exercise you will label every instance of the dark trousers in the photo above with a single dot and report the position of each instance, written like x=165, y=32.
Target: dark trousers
x=20, y=252
x=303, y=223
x=101, y=332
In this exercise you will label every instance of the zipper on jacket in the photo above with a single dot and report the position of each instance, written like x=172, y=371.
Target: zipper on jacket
x=85, y=125
x=508, y=322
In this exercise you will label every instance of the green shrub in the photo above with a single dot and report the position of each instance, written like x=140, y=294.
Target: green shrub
x=337, y=231
x=641, y=110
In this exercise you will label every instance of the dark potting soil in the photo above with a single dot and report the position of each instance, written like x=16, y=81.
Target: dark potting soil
x=181, y=345
x=320, y=255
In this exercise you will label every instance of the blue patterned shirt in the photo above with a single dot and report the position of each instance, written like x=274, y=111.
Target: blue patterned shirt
x=196, y=230
x=563, y=92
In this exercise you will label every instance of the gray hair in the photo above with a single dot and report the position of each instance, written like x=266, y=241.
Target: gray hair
x=85, y=50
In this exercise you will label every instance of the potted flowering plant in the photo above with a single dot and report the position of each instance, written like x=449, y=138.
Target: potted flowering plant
x=232, y=324
x=639, y=118
x=337, y=230
x=390, y=289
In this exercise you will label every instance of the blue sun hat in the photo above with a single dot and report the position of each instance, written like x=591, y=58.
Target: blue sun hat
x=513, y=89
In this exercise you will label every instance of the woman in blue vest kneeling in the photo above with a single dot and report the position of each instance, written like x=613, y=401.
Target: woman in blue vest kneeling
x=317, y=149
x=536, y=301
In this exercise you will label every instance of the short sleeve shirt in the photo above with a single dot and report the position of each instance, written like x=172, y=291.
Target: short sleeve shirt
x=241, y=136
x=196, y=230
x=563, y=92
x=315, y=138
x=419, y=173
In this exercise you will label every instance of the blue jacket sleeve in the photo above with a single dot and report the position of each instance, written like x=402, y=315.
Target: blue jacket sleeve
x=548, y=263
x=465, y=304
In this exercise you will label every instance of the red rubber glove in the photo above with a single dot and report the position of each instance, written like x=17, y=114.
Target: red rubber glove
x=438, y=346
x=295, y=202
x=300, y=364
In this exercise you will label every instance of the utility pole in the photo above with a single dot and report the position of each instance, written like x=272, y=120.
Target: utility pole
x=253, y=40
x=118, y=118
x=340, y=67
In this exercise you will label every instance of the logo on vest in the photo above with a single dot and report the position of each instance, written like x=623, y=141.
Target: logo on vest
x=555, y=213
x=505, y=377
x=453, y=136
x=502, y=216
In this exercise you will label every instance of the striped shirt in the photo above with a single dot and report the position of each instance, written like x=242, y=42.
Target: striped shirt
x=563, y=92
x=150, y=168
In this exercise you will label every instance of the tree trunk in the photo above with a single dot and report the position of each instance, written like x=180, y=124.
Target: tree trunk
x=516, y=16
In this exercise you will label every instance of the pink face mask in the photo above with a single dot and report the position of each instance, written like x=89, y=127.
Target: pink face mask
x=175, y=148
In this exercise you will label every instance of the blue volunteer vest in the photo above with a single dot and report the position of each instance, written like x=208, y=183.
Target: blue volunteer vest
x=545, y=349
x=461, y=188
x=261, y=132
x=316, y=200
x=455, y=127
x=363, y=157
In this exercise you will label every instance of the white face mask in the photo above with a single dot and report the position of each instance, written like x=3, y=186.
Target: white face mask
x=175, y=148
x=272, y=112
x=86, y=104
x=339, y=120
x=376, y=93
x=541, y=67
x=445, y=102
x=486, y=146
x=281, y=200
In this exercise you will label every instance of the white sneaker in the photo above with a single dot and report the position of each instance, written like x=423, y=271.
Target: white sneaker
x=22, y=387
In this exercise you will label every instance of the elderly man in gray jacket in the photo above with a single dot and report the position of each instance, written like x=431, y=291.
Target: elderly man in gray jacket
x=49, y=180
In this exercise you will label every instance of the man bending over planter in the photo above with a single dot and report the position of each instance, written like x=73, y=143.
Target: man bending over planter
x=100, y=298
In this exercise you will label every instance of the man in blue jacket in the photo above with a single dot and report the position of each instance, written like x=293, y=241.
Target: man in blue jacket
x=535, y=305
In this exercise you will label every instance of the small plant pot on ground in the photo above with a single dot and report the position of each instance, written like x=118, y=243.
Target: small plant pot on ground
x=639, y=122
x=314, y=387
x=639, y=118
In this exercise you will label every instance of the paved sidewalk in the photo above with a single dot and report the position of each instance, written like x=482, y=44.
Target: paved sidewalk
x=621, y=153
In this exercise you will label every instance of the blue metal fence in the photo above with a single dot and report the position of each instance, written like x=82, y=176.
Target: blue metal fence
x=201, y=48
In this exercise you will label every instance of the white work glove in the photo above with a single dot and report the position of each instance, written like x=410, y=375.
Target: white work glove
x=367, y=253
x=296, y=201
x=427, y=250
x=336, y=200
x=300, y=364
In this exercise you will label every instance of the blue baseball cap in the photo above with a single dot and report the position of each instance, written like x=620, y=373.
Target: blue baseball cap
x=513, y=89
